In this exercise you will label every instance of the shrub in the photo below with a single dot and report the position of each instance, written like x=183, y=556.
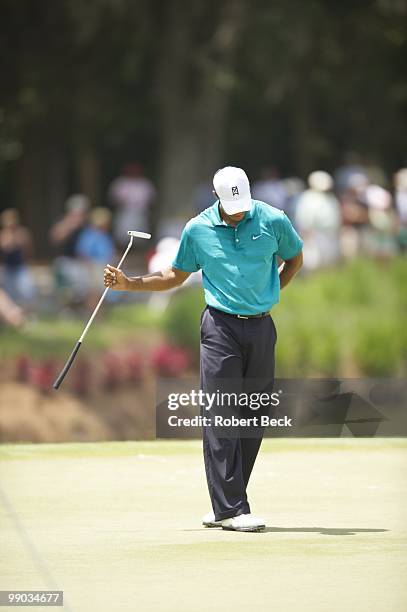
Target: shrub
x=182, y=317
x=355, y=311
x=377, y=347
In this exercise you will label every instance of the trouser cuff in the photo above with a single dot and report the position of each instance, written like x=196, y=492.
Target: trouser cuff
x=243, y=509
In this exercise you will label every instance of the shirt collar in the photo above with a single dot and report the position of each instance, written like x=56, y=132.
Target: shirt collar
x=217, y=219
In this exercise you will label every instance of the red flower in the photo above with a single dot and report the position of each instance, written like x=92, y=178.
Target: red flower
x=170, y=360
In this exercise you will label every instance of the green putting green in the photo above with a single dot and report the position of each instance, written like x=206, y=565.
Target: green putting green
x=117, y=527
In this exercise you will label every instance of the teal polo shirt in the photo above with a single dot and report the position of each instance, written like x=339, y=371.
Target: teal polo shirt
x=239, y=264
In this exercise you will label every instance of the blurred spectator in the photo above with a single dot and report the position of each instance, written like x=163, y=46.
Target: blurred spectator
x=95, y=243
x=380, y=237
x=375, y=173
x=95, y=248
x=165, y=252
x=163, y=257
x=65, y=233
x=203, y=197
x=132, y=194
x=70, y=275
x=355, y=216
x=10, y=313
x=344, y=175
x=15, y=248
x=400, y=200
x=271, y=188
x=318, y=219
x=294, y=187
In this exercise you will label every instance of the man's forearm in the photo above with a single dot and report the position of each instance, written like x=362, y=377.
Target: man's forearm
x=289, y=270
x=157, y=281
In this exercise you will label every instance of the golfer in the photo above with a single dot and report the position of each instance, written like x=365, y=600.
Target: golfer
x=236, y=243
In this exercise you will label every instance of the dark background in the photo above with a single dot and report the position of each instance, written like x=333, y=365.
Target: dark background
x=183, y=87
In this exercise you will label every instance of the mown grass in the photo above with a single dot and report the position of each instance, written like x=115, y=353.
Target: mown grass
x=143, y=448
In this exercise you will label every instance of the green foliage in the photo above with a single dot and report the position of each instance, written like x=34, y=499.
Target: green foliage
x=377, y=346
x=182, y=318
x=344, y=321
x=56, y=337
x=347, y=321
x=43, y=339
x=134, y=316
x=353, y=317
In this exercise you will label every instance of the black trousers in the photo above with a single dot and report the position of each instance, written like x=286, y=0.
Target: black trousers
x=237, y=355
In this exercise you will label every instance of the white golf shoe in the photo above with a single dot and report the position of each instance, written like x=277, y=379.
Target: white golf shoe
x=209, y=520
x=243, y=522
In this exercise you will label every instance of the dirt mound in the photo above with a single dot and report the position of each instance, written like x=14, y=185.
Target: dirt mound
x=29, y=415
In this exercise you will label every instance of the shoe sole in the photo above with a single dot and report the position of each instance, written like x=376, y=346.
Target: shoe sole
x=247, y=529
x=211, y=525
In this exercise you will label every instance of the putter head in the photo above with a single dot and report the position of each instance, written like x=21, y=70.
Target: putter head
x=139, y=234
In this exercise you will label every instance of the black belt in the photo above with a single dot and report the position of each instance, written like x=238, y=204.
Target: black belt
x=238, y=316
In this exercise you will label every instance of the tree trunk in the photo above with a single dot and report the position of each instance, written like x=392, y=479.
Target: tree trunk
x=88, y=174
x=303, y=136
x=30, y=196
x=41, y=190
x=194, y=80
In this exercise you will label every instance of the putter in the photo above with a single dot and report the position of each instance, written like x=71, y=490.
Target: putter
x=65, y=369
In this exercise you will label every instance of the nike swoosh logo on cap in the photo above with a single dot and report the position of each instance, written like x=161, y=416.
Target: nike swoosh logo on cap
x=255, y=237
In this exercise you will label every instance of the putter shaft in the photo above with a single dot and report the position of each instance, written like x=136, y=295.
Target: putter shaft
x=72, y=356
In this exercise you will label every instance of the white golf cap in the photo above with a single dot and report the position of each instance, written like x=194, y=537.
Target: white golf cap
x=233, y=189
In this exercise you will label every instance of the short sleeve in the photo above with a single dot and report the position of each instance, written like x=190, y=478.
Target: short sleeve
x=289, y=242
x=185, y=259
x=83, y=244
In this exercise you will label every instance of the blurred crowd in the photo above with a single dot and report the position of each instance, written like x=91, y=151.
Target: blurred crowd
x=355, y=211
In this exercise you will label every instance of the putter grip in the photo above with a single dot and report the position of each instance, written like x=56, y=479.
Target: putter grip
x=66, y=367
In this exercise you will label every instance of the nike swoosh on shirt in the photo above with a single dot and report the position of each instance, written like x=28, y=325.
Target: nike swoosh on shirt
x=255, y=237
